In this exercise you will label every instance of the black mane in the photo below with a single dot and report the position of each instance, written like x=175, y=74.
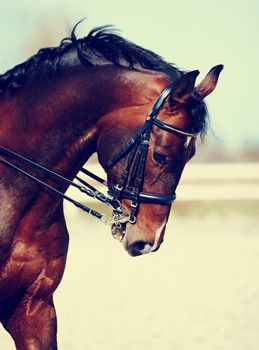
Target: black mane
x=101, y=42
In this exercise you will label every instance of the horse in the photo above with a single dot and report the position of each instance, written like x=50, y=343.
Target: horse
x=97, y=94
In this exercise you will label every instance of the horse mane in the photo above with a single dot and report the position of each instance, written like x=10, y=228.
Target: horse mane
x=102, y=43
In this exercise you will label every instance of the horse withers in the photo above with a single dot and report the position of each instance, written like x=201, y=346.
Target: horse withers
x=100, y=94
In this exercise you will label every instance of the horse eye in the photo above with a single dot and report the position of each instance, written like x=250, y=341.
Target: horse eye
x=160, y=158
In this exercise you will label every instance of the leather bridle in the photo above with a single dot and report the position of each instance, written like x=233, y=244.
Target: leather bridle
x=130, y=183
x=137, y=149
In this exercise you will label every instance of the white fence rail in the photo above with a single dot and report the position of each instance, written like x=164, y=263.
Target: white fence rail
x=228, y=181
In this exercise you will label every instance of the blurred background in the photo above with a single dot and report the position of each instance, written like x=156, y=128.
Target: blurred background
x=201, y=289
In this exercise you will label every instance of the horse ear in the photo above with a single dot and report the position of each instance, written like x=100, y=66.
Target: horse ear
x=209, y=83
x=184, y=87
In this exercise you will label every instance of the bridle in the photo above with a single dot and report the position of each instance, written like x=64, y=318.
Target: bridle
x=137, y=148
x=130, y=183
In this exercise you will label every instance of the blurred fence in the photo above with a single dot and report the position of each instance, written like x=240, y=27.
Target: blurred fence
x=226, y=181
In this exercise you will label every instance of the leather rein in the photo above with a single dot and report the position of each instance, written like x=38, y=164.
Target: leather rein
x=133, y=173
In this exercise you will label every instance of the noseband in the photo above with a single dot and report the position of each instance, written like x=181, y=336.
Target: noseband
x=136, y=150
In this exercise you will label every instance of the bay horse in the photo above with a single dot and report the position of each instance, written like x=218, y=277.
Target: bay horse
x=104, y=94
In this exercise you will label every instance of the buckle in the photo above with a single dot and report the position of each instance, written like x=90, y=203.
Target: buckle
x=134, y=205
x=145, y=142
x=132, y=220
x=118, y=187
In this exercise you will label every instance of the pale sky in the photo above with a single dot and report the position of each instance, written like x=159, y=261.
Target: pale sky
x=194, y=34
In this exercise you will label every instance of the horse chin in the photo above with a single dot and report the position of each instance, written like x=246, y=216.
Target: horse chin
x=122, y=234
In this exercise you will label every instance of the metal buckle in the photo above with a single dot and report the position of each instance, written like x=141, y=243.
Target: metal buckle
x=118, y=187
x=132, y=220
x=134, y=205
x=145, y=142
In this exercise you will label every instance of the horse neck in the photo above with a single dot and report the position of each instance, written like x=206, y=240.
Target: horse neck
x=53, y=120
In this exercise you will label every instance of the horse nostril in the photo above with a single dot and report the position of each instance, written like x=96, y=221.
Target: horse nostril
x=139, y=248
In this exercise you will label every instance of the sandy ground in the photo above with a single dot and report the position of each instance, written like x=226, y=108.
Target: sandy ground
x=199, y=291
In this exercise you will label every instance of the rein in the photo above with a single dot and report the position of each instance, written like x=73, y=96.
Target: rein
x=90, y=191
x=133, y=173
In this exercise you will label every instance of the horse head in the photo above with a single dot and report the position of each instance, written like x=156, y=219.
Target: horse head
x=179, y=118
